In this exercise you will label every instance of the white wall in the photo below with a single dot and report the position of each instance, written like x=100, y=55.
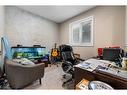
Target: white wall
x=109, y=29
x=126, y=29
x=28, y=29
x=1, y=31
x=1, y=23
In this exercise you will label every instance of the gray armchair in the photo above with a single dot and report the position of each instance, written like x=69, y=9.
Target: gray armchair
x=19, y=75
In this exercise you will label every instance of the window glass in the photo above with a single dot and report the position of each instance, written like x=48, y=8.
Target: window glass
x=81, y=32
x=86, y=31
x=76, y=35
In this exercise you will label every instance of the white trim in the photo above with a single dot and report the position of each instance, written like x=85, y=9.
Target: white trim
x=125, y=45
x=126, y=28
x=90, y=18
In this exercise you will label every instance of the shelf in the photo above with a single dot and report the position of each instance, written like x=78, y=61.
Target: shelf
x=27, y=47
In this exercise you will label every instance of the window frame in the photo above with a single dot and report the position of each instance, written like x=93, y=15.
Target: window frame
x=78, y=22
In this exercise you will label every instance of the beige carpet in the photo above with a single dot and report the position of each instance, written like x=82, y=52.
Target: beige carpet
x=52, y=79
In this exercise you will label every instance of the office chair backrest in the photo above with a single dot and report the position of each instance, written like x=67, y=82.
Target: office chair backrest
x=68, y=56
x=65, y=48
x=67, y=53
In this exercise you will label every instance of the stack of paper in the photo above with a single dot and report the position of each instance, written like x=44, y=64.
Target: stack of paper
x=92, y=64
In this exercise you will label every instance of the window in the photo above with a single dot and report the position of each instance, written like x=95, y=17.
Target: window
x=81, y=32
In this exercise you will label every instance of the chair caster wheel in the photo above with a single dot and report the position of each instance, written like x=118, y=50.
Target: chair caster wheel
x=63, y=84
x=64, y=76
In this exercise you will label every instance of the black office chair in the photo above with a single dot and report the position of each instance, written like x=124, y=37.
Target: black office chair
x=68, y=61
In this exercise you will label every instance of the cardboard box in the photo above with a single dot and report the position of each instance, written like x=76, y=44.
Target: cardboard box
x=82, y=85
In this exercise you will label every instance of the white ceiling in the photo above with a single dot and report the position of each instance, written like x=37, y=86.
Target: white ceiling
x=57, y=14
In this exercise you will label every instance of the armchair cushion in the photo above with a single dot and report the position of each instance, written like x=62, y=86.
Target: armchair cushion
x=23, y=61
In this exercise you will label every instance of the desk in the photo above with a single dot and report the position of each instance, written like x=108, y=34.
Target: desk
x=114, y=81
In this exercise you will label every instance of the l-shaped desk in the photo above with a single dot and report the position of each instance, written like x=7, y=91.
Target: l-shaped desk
x=115, y=81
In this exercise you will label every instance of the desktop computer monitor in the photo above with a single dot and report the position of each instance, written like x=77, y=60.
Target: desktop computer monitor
x=112, y=54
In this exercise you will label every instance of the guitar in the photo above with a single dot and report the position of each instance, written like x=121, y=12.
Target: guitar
x=54, y=52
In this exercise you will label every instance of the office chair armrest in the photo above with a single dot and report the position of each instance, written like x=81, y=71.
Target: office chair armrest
x=77, y=56
x=68, y=63
x=80, y=59
x=68, y=66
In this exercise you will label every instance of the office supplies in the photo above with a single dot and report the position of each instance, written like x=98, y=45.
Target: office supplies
x=114, y=71
x=124, y=63
x=115, y=81
x=91, y=64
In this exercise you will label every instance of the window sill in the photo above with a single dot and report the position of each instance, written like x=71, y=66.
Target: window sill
x=81, y=45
